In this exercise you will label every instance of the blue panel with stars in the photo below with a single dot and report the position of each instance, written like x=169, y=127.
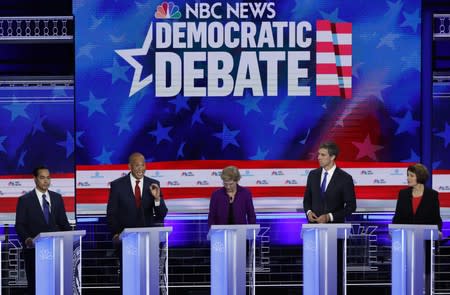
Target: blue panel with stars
x=118, y=111
x=37, y=128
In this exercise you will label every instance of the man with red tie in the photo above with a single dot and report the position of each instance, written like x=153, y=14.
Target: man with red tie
x=39, y=210
x=135, y=200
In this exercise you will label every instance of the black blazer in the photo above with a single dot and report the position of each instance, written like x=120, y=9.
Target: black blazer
x=428, y=211
x=121, y=211
x=30, y=220
x=339, y=198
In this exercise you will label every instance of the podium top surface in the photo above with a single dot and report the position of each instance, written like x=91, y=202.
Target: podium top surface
x=326, y=226
x=413, y=226
x=61, y=234
x=234, y=227
x=138, y=230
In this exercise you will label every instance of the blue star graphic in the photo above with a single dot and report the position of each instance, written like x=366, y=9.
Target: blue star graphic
x=37, y=126
x=388, y=40
x=260, y=154
x=250, y=104
x=117, y=72
x=394, y=8
x=69, y=144
x=445, y=134
x=414, y=158
x=20, y=162
x=411, y=20
x=96, y=22
x=180, y=153
x=17, y=109
x=333, y=17
x=406, y=124
x=77, y=138
x=86, y=50
x=129, y=55
x=2, y=148
x=180, y=103
x=123, y=124
x=104, y=157
x=227, y=136
x=161, y=133
x=279, y=122
x=196, y=117
x=94, y=104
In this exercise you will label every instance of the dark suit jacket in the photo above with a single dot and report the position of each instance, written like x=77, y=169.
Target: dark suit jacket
x=121, y=211
x=339, y=198
x=428, y=211
x=243, y=210
x=30, y=219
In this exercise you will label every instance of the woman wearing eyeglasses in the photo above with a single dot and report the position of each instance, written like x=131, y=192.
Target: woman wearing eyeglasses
x=231, y=204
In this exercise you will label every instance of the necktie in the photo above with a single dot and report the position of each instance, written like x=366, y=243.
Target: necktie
x=45, y=207
x=137, y=194
x=324, y=184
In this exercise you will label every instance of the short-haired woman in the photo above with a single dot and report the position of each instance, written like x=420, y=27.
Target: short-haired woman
x=418, y=204
x=231, y=204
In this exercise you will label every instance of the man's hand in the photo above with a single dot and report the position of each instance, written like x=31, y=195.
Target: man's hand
x=29, y=243
x=156, y=192
x=324, y=218
x=312, y=217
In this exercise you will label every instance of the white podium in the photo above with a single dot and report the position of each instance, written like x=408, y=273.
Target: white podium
x=320, y=257
x=408, y=257
x=54, y=261
x=141, y=259
x=229, y=258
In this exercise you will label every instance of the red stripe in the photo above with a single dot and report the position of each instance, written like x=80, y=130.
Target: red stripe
x=341, y=28
x=344, y=71
x=345, y=92
x=326, y=69
x=441, y=171
x=342, y=49
x=30, y=176
x=9, y=205
x=327, y=90
x=332, y=69
x=323, y=25
x=324, y=47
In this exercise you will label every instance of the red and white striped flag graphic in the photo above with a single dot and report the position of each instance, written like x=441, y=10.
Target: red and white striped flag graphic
x=334, y=59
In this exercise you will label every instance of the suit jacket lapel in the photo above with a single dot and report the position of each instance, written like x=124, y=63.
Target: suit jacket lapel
x=130, y=188
x=332, y=182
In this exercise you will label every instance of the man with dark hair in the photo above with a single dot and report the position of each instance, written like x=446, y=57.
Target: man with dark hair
x=39, y=210
x=330, y=192
x=330, y=196
x=135, y=200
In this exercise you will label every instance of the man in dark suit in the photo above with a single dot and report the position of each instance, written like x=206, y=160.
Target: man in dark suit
x=134, y=201
x=330, y=192
x=330, y=196
x=39, y=210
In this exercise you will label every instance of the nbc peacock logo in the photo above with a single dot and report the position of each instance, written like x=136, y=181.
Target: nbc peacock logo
x=167, y=10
